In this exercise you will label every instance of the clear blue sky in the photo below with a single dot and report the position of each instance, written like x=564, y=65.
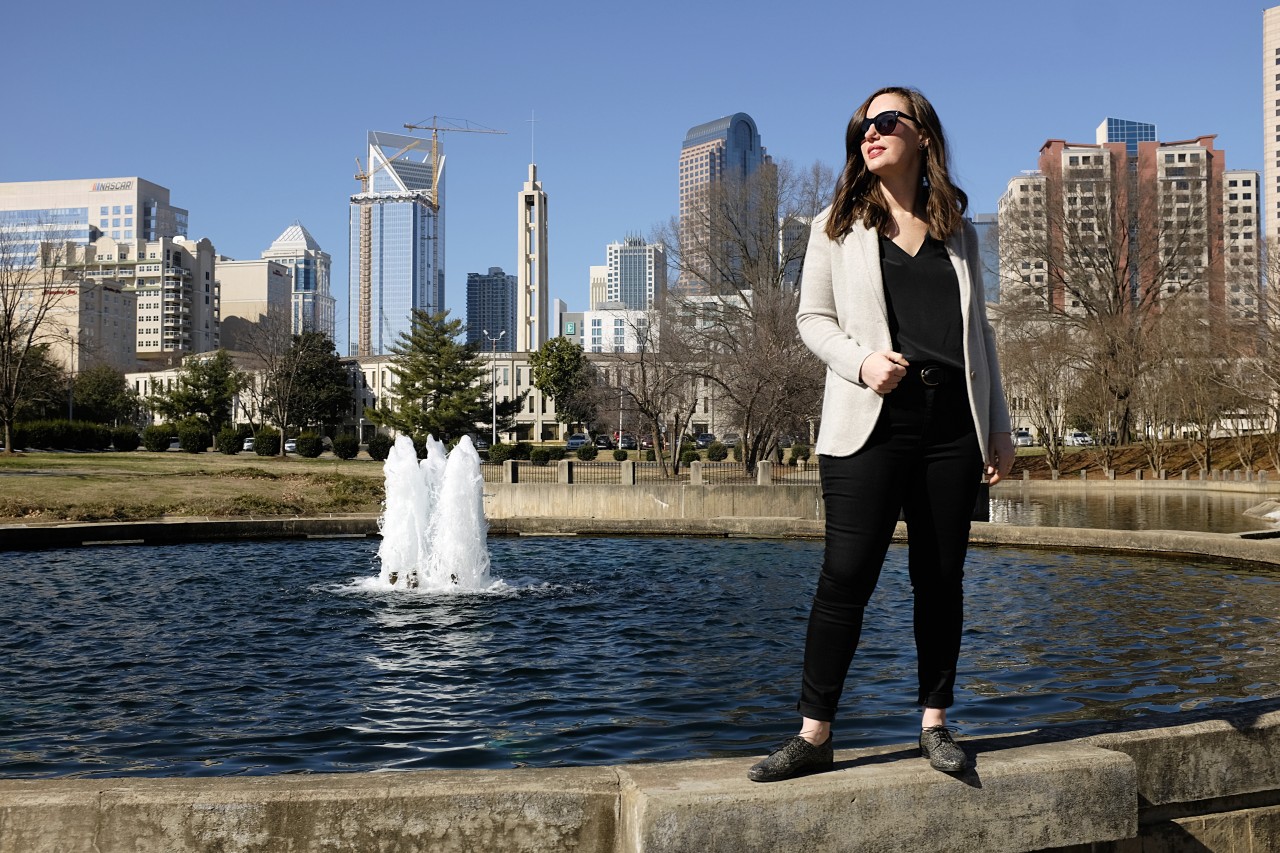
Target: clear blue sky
x=253, y=113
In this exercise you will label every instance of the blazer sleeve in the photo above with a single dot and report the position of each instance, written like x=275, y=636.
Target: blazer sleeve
x=818, y=318
x=998, y=412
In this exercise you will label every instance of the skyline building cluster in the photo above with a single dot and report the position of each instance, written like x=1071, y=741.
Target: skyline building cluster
x=135, y=289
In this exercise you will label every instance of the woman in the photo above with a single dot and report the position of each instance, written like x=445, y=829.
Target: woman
x=891, y=300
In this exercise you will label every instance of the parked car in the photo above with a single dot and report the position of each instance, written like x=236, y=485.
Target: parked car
x=248, y=444
x=578, y=439
x=291, y=445
x=1078, y=439
x=1022, y=438
x=703, y=441
x=603, y=442
x=627, y=442
x=731, y=439
x=647, y=442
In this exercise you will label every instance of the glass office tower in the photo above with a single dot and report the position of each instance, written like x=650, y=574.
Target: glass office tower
x=1128, y=132
x=396, y=241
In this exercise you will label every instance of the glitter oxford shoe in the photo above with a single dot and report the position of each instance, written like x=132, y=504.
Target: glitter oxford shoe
x=937, y=745
x=796, y=757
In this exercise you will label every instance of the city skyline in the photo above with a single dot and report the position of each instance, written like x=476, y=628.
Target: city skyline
x=1004, y=78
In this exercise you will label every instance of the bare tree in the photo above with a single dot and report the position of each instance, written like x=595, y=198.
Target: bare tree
x=1104, y=253
x=30, y=269
x=744, y=242
x=660, y=380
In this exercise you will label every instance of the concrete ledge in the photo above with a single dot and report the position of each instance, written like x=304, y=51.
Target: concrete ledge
x=545, y=810
x=1027, y=798
x=1235, y=753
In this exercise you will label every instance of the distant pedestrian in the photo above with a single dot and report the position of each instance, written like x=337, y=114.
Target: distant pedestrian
x=892, y=302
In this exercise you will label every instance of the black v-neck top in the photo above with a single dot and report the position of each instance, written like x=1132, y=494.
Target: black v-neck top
x=922, y=294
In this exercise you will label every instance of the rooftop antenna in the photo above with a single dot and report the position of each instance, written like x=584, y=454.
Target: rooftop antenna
x=531, y=121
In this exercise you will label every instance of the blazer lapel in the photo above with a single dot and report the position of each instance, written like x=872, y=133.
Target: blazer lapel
x=867, y=250
x=955, y=248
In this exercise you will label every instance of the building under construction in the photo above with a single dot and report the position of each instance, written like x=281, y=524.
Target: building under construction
x=397, y=239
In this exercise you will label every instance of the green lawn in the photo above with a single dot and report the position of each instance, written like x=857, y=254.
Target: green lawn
x=45, y=487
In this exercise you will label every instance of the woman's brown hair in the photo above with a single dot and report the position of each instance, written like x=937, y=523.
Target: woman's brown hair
x=858, y=197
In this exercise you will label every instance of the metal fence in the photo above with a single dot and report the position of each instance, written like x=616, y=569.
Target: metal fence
x=610, y=473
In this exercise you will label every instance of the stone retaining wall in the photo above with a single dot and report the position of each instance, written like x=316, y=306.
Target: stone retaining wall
x=1204, y=781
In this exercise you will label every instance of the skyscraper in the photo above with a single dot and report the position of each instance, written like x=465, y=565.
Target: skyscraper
x=637, y=274
x=396, y=240
x=313, y=303
x=725, y=149
x=491, y=308
x=1271, y=117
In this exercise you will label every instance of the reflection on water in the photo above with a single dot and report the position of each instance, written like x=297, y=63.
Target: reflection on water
x=258, y=658
x=1106, y=508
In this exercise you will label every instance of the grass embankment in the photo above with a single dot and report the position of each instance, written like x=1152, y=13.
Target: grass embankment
x=1228, y=454
x=49, y=487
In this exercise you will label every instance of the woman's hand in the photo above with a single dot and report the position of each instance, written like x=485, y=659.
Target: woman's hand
x=882, y=371
x=1000, y=451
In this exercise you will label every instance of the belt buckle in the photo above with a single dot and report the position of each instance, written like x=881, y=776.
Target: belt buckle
x=932, y=375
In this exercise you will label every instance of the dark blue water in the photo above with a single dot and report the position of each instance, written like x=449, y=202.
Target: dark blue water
x=263, y=658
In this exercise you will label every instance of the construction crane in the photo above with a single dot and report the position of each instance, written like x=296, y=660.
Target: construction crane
x=365, y=200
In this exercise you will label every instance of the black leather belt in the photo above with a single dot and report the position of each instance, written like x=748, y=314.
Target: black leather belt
x=933, y=375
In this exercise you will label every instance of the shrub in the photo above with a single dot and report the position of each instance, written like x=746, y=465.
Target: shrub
x=688, y=456
x=800, y=452
x=500, y=453
x=521, y=450
x=620, y=455
x=717, y=452
x=379, y=446
x=193, y=437
x=156, y=437
x=556, y=452
x=125, y=439
x=346, y=446
x=267, y=442
x=62, y=435
x=310, y=445
x=587, y=452
x=650, y=456
x=228, y=441
x=539, y=456
x=737, y=452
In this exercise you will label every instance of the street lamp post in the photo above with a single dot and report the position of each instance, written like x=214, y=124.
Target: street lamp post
x=493, y=368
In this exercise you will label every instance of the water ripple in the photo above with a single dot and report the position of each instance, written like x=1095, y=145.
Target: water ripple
x=261, y=658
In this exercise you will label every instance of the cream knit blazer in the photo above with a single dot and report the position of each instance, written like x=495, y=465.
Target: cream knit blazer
x=843, y=318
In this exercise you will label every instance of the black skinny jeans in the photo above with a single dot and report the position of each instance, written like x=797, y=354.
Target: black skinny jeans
x=922, y=458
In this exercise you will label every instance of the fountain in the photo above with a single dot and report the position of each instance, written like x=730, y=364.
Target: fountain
x=434, y=533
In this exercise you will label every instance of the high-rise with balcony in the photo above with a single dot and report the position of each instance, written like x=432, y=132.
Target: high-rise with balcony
x=396, y=240
x=724, y=150
x=1169, y=220
x=313, y=305
x=178, y=298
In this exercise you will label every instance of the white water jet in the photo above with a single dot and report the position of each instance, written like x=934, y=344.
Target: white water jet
x=434, y=533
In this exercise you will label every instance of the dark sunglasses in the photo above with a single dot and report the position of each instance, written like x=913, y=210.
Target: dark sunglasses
x=886, y=123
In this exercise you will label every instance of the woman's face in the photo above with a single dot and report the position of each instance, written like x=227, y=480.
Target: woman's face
x=897, y=153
